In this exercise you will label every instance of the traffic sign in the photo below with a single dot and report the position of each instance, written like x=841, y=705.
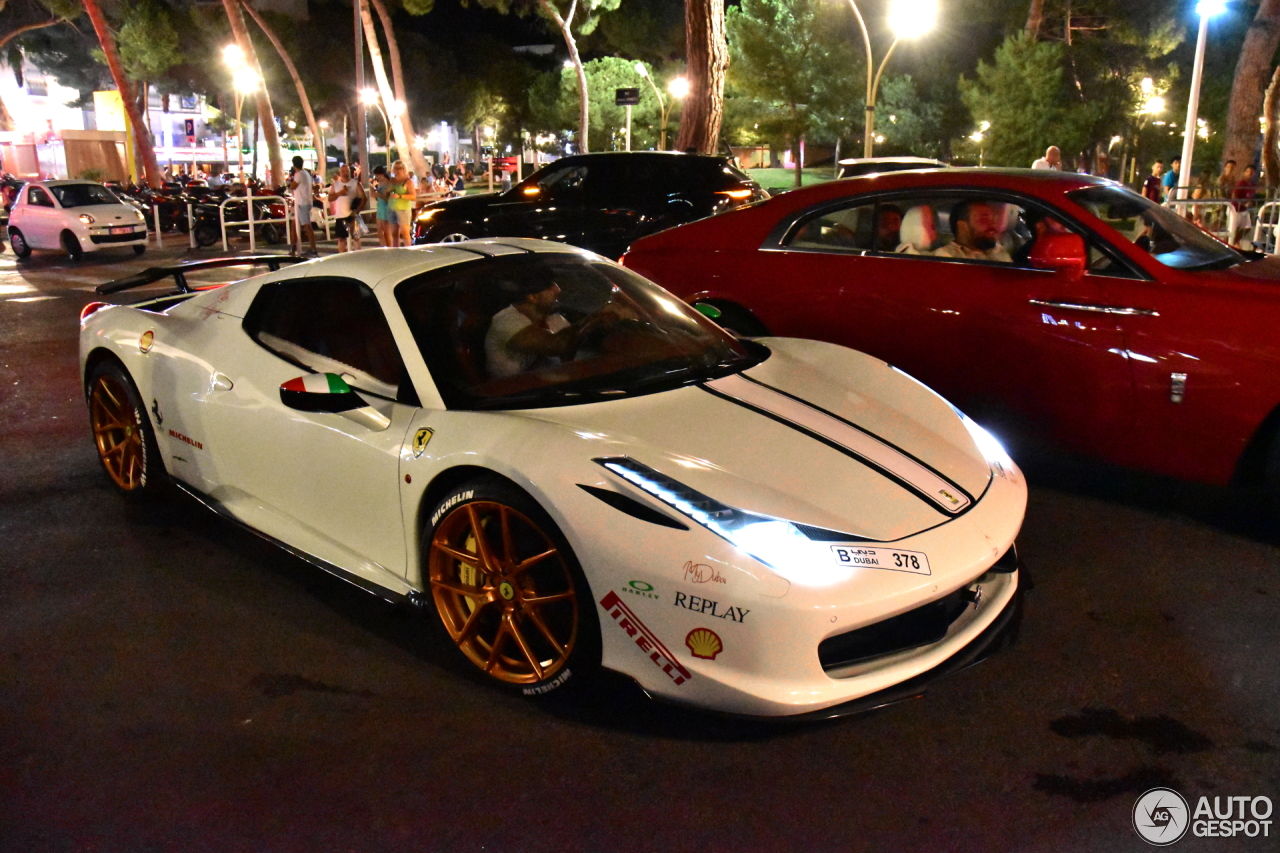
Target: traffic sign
x=626, y=97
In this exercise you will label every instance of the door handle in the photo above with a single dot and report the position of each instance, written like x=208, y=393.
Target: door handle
x=222, y=382
x=1096, y=309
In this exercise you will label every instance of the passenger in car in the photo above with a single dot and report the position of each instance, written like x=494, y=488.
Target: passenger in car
x=888, y=228
x=977, y=229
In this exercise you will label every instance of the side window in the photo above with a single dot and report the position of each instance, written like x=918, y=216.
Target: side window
x=968, y=227
x=330, y=326
x=846, y=229
x=563, y=180
x=39, y=197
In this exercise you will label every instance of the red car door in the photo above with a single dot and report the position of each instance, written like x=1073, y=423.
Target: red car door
x=1001, y=339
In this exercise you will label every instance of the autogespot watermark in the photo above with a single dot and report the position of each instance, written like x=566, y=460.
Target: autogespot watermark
x=1162, y=816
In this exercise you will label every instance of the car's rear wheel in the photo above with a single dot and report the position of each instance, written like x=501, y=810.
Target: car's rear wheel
x=122, y=432
x=138, y=250
x=508, y=589
x=71, y=245
x=20, y=246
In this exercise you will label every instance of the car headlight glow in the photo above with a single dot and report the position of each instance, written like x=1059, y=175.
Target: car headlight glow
x=990, y=447
x=87, y=219
x=426, y=215
x=777, y=543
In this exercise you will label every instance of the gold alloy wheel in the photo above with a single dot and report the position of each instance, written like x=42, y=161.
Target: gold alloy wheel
x=504, y=592
x=117, y=433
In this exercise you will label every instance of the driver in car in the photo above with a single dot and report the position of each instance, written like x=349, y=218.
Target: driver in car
x=977, y=231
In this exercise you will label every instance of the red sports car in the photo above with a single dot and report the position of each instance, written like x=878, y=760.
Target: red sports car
x=1058, y=303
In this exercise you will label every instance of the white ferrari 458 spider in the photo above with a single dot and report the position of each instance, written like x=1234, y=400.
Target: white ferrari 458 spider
x=574, y=469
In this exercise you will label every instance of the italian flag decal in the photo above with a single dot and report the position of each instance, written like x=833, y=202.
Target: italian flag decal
x=317, y=383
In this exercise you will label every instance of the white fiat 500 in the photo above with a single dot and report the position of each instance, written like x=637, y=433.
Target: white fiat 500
x=74, y=216
x=569, y=468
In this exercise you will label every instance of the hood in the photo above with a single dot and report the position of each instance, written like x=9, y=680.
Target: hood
x=106, y=214
x=466, y=205
x=817, y=435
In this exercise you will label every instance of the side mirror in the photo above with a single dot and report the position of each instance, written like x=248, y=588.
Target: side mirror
x=320, y=392
x=330, y=393
x=1063, y=253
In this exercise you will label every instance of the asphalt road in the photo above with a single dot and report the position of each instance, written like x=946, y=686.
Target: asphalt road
x=169, y=683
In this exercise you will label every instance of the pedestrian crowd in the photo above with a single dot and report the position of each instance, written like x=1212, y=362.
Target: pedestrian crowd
x=1241, y=190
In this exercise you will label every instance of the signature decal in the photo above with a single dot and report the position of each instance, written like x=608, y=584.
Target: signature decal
x=702, y=573
x=645, y=639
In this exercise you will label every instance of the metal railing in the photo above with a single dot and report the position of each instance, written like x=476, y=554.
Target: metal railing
x=249, y=219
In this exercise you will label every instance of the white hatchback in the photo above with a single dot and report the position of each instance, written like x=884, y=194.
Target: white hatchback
x=74, y=216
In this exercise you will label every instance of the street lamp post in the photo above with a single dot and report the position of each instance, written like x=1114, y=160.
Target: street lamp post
x=323, y=159
x=369, y=97
x=907, y=19
x=662, y=106
x=1206, y=9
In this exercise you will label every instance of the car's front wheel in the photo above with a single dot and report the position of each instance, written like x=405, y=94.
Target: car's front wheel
x=19, y=242
x=122, y=432
x=71, y=245
x=139, y=250
x=508, y=589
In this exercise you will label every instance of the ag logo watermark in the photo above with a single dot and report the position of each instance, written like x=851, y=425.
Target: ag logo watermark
x=1161, y=816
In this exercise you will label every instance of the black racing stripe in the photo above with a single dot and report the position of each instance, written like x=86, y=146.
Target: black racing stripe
x=886, y=442
x=840, y=448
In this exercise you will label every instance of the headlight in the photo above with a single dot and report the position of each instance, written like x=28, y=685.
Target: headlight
x=990, y=448
x=425, y=216
x=777, y=543
x=86, y=219
x=141, y=216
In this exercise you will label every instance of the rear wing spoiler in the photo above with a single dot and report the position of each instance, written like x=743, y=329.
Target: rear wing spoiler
x=179, y=271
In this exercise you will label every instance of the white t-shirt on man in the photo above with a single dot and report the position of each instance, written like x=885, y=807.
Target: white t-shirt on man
x=506, y=324
x=346, y=194
x=302, y=194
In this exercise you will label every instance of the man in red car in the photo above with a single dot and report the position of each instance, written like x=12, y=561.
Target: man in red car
x=977, y=228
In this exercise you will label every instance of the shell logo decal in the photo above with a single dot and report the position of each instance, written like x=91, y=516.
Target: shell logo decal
x=704, y=643
x=147, y=341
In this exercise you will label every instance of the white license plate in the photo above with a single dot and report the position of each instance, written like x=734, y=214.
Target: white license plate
x=126, y=229
x=881, y=558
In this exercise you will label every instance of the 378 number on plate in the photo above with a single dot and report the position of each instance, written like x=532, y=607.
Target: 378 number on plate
x=881, y=558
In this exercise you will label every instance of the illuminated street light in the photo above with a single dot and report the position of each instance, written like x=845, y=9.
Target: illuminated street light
x=369, y=97
x=244, y=81
x=908, y=19
x=1206, y=9
x=233, y=56
x=679, y=87
x=662, y=103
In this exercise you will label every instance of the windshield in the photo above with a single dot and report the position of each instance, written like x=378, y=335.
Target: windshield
x=80, y=195
x=551, y=329
x=1170, y=239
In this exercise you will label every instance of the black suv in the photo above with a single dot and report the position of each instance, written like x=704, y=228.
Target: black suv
x=601, y=202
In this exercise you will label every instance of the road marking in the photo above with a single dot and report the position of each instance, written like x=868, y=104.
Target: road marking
x=31, y=298
x=15, y=289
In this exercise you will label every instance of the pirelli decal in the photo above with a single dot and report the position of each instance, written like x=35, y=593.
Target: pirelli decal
x=644, y=638
x=845, y=437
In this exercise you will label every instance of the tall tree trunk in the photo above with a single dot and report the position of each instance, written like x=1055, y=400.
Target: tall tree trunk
x=26, y=28
x=1035, y=19
x=384, y=89
x=1252, y=68
x=6, y=118
x=397, y=80
x=565, y=26
x=708, y=54
x=1270, y=153
x=142, y=139
x=266, y=116
x=297, y=81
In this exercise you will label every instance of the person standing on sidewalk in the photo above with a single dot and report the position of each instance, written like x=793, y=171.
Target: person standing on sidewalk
x=1052, y=159
x=401, y=194
x=380, y=185
x=300, y=186
x=343, y=193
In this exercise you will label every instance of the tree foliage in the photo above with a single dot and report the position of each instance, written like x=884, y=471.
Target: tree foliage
x=794, y=64
x=555, y=103
x=147, y=41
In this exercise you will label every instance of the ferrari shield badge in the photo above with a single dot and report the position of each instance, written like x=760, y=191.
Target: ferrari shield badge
x=420, y=439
